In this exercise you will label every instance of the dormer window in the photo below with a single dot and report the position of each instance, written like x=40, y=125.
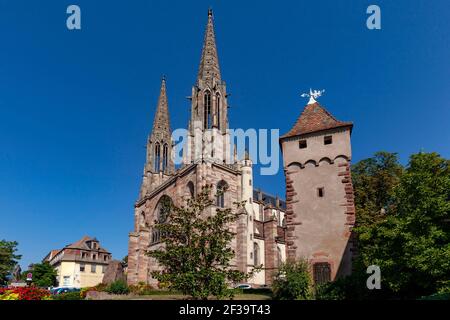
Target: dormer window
x=328, y=140
x=302, y=144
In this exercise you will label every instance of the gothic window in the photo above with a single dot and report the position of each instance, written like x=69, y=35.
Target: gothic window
x=157, y=157
x=162, y=212
x=218, y=109
x=163, y=209
x=256, y=261
x=322, y=272
x=165, y=157
x=207, y=105
x=222, y=186
x=191, y=189
x=280, y=257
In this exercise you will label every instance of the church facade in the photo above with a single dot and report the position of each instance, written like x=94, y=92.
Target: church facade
x=268, y=229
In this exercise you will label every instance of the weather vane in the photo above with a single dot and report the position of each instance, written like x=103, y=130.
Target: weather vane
x=312, y=95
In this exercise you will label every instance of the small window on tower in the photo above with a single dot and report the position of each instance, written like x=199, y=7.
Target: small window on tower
x=250, y=182
x=302, y=144
x=328, y=140
x=320, y=192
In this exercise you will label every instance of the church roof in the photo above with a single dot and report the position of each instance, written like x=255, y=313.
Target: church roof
x=315, y=118
x=209, y=63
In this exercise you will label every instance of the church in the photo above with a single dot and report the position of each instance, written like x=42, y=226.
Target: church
x=314, y=222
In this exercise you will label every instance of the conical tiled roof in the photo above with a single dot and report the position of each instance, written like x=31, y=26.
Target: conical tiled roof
x=315, y=118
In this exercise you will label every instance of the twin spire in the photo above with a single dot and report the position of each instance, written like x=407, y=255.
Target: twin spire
x=208, y=70
x=159, y=144
x=161, y=121
x=209, y=62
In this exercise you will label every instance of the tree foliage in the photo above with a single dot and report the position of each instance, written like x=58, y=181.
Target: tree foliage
x=44, y=275
x=411, y=244
x=292, y=281
x=196, y=253
x=374, y=180
x=8, y=259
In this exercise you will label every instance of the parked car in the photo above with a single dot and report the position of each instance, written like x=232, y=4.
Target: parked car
x=60, y=290
x=243, y=286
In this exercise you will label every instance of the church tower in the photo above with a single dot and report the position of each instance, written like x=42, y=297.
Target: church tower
x=319, y=192
x=159, y=164
x=208, y=140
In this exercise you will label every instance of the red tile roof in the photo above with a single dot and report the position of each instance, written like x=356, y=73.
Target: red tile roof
x=315, y=118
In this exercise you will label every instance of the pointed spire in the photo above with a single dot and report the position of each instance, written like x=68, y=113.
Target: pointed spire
x=161, y=121
x=209, y=62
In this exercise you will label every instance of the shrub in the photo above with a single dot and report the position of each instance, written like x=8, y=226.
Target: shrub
x=100, y=287
x=292, y=282
x=141, y=289
x=118, y=287
x=68, y=296
x=437, y=296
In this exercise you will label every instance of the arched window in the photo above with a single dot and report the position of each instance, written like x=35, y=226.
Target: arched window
x=165, y=157
x=256, y=261
x=162, y=212
x=222, y=187
x=280, y=257
x=207, y=117
x=157, y=157
x=218, y=109
x=163, y=209
x=191, y=189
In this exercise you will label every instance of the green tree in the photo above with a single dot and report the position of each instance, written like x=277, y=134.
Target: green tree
x=8, y=259
x=412, y=244
x=44, y=275
x=196, y=258
x=374, y=181
x=292, y=281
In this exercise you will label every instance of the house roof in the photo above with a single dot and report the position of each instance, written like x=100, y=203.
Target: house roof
x=315, y=118
x=82, y=244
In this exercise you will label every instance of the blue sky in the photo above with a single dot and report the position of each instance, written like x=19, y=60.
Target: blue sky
x=76, y=106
